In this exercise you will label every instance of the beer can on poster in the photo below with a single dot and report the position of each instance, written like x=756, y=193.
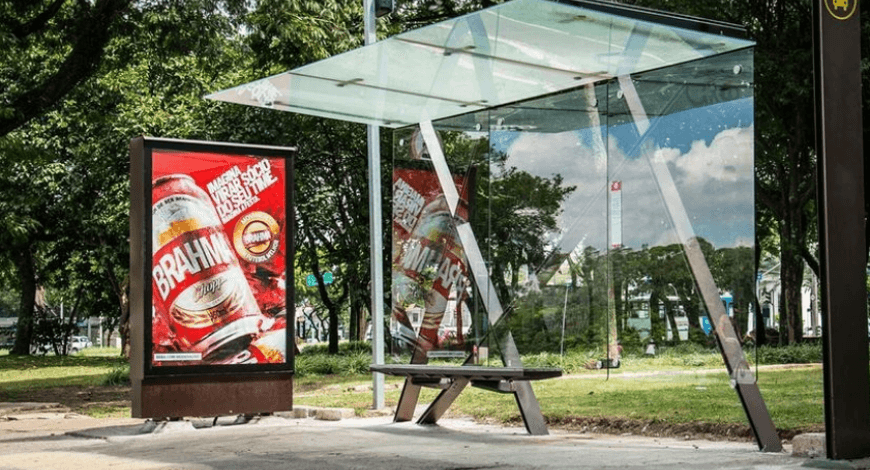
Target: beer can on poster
x=199, y=291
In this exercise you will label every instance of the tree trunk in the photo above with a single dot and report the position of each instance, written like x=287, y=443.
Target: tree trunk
x=619, y=313
x=122, y=290
x=760, y=327
x=670, y=317
x=333, y=330
x=791, y=277
x=355, y=317
x=27, y=276
x=657, y=327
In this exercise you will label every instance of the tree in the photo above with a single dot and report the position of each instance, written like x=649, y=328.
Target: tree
x=332, y=207
x=26, y=210
x=331, y=182
x=51, y=46
x=64, y=220
x=519, y=209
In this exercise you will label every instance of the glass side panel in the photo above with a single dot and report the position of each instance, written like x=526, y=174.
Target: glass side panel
x=680, y=167
x=435, y=313
x=549, y=171
x=508, y=53
x=580, y=205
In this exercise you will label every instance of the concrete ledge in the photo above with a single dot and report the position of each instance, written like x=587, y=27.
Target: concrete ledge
x=809, y=445
x=113, y=432
x=8, y=408
x=334, y=414
x=292, y=414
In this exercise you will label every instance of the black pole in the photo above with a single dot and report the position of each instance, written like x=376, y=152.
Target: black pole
x=839, y=146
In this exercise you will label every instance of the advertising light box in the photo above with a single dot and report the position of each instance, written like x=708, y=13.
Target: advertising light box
x=216, y=257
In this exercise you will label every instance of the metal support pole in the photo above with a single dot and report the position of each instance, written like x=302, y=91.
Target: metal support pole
x=375, y=233
x=564, y=315
x=839, y=145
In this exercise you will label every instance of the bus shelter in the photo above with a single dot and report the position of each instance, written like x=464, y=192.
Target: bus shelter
x=565, y=174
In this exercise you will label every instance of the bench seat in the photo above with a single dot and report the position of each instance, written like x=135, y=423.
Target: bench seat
x=453, y=379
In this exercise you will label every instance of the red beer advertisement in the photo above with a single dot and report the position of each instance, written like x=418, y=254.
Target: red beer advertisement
x=429, y=268
x=218, y=251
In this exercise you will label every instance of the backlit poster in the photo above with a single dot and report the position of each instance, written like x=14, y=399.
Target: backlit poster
x=430, y=271
x=219, y=244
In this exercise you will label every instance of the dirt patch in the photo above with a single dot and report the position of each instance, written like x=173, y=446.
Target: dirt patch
x=657, y=428
x=78, y=399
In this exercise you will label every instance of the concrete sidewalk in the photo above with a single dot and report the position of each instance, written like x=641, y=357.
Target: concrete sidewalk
x=57, y=440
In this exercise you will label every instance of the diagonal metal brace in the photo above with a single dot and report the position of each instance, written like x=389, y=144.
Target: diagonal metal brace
x=729, y=343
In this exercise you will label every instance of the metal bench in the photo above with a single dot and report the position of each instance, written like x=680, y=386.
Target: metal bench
x=453, y=379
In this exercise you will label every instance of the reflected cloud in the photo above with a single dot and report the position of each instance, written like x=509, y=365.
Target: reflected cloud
x=715, y=182
x=723, y=160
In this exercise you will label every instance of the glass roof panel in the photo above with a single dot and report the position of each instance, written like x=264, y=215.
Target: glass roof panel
x=508, y=53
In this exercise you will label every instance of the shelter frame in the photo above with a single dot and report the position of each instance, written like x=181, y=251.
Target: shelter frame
x=355, y=87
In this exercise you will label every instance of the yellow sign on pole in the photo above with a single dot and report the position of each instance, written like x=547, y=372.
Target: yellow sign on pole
x=841, y=9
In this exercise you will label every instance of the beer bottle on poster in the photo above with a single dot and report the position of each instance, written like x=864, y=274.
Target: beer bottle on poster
x=199, y=289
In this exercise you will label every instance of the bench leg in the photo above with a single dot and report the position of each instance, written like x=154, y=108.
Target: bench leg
x=446, y=398
x=529, y=408
x=407, y=402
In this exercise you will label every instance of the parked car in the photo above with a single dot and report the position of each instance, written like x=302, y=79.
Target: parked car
x=77, y=343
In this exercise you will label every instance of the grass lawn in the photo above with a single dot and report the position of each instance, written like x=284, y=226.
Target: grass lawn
x=26, y=378
x=793, y=396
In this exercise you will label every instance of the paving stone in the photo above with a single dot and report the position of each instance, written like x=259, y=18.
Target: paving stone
x=808, y=445
x=298, y=412
x=386, y=411
x=334, y=414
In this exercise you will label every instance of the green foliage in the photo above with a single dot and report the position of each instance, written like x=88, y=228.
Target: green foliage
x=52, y=333
x=119, y=375
x=801, y=353
x=327, y=364
x=64, y=191
x=348, y=348
x=353, y=357
x=785, y=165
x=298, y=32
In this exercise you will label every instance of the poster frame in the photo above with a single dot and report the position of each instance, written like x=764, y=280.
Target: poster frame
x=142, y=150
